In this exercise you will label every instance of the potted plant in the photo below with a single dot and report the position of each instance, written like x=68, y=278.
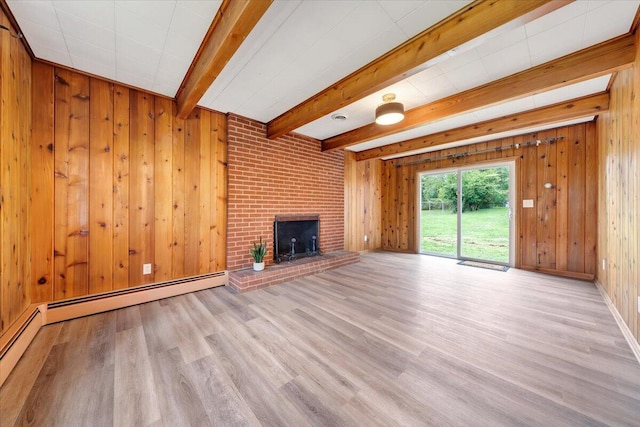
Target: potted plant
x=258, y=252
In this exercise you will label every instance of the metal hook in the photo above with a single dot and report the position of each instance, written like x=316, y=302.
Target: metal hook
x=17, y=36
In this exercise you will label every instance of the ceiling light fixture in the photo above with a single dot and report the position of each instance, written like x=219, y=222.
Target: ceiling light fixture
x=339, y=117
x=390, y=112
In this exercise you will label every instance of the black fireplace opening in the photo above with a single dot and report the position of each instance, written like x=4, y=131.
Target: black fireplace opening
x=296, y=236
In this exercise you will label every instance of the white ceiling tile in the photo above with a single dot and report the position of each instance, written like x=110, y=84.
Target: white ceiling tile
x=361, y=24
x=181, y=47
x=619, y=13
x=192, y=19
x=435, y=88
x=104, y=69
x=468, y=76
x=139, y=68
x=159, y=13
x=97, y=12
x=428, y=14
x=43, y=37
x=576, y=90
x=134, y=78
x=398, y=9
x=556, y=18
x=168, y=89
x=40, y=12
x=313, y=20
x=84, y=49
x=496, y=44
x=45, y=52
x=74, y=27
x=462, y=59
x=135, y=27
x=128, y=50
x=506, y=108
x=507, y=61
x=557, y=41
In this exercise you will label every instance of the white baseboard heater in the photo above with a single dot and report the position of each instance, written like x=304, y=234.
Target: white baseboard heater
x=14, y=342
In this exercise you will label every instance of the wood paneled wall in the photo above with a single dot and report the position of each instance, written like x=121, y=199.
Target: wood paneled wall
x=557, y=235
x=15, y=163
x=362, y=206
x=618, y=202
x=118, y=181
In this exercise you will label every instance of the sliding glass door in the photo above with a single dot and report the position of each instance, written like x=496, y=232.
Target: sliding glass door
x=439, y=223
x=466, y=213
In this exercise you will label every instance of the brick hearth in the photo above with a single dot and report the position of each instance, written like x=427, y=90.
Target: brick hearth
x=249, y=280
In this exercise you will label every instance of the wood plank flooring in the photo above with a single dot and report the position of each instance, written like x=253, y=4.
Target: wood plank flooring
x=395, y=340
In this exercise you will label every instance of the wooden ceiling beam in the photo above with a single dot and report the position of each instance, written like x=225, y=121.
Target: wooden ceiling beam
x=232, y=24
x=469, y=23
x=604, y=58
x=574, y=109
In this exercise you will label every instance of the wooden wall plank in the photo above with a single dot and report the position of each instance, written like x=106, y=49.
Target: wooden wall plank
x=15, y=178
x=42, y=189
x=546, y=201
x=361, y=194
x=350, y=181
x=591, y=199
x=61, y=180
x=120, y=187
x=404, y=208
x=178, y=196
x=23, y=100
x=163, y=206
x=100, y=187
x=77, y=255
x=618, y=208
x=375, y=208
x=364, y=201
x=393, y=239
x=141, y=189
x=192, y=194
x=576, y=231
x=528, y=216
x=562, y=199
x=219, y=192
x=204, y=202
x=5, y=320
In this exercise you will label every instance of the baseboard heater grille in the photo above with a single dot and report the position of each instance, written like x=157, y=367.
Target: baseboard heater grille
x=126, y=291
x=14, y=342
x=5, y=348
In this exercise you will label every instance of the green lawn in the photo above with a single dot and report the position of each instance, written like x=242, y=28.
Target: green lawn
x=485, y=233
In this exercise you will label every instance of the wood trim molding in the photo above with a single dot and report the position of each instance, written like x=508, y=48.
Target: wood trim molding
x=573, y=109
x=232, y=24
x=473, y=22
x=14, y=342
x=595, y=61
x=570, y=274
x=624, y=328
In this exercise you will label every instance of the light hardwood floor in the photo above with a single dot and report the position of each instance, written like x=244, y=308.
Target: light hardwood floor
x=393, y=340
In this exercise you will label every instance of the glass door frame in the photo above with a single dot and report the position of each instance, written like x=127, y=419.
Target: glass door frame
x=511, y=164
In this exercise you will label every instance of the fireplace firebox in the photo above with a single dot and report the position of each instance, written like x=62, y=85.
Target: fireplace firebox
x=296, y=236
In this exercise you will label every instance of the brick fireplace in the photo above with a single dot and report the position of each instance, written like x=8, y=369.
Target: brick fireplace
x=288, y=175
